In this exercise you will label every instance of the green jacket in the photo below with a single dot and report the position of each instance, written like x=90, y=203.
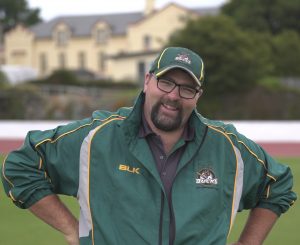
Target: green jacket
x=111, y=171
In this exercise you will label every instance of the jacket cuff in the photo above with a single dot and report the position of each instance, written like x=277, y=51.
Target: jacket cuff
x=272, y=207
x=35, y=197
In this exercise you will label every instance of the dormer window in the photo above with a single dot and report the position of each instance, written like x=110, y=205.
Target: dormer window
x=102, y=35
x=62, y=38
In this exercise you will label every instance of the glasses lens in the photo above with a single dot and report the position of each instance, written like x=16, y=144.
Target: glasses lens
x=165, y=85
x=187, y=92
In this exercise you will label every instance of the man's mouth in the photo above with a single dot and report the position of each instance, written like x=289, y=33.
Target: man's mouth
x=170, y=107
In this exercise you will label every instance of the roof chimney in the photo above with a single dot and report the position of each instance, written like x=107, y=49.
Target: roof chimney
x=150, y=4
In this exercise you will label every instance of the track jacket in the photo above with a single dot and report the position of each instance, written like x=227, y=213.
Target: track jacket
x=102, y=161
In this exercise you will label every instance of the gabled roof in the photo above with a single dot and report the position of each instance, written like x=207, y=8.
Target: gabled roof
x=81, y=25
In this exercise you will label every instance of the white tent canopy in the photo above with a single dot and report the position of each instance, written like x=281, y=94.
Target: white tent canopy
x=16, y=74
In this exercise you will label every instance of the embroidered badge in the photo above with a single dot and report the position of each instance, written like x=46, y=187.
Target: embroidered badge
x=183, y=57
x=206, y=177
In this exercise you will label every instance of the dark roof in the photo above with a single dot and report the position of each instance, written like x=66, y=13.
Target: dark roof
x=207, y=11
x=81, y=25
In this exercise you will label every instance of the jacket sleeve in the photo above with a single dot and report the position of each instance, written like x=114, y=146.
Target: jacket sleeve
x=47, y=163
x=266, y=182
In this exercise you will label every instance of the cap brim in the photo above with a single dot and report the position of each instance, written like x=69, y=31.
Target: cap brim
x=163, y=71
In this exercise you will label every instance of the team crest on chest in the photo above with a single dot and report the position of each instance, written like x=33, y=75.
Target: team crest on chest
x=206, y=177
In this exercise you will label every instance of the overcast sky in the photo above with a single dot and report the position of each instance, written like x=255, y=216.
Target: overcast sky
x=53, y=8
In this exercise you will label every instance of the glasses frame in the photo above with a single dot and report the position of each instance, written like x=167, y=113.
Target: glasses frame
x=180, y=86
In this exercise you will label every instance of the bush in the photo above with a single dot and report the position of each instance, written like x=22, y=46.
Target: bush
x=21, y=102
x=3, y=80
x=62, y=77
x=73, y=78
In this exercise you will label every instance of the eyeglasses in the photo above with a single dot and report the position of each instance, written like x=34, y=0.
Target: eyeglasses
x=167, y=85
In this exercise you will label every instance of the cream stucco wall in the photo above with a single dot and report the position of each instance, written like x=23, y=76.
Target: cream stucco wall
x=127, y=68
x=19, y=47
x=158, y=26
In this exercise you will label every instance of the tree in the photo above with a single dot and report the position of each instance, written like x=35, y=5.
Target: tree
x=272, y=16
x=234, y=60
x=13, y=12
x=286, y=53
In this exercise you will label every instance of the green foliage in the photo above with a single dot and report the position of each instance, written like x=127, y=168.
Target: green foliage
x=61, y=77
x=3, y=80
x=271, y=83
x=234, y=60
x=17, y=11
x=272, y=16
x=22, y=102
x=286, y=54
x=69, y=77
x=263, y=102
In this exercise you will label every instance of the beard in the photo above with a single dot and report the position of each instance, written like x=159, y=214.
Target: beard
x=164, y=122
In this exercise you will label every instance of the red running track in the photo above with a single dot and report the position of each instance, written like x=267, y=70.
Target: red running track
x=275, y=149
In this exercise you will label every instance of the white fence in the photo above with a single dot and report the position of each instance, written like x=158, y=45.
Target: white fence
x=259, y=131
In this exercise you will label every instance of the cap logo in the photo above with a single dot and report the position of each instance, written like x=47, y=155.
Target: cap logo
x=184, y=58
x=206, y=177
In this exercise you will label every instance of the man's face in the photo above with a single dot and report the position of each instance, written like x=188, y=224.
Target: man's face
x=168, y=111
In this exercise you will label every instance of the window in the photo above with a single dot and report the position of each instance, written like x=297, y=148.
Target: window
x=141, y=71
x=19, y=57
x=101, y=61
x=62, y=60
x=102, y=35
x=19, y=53
x=81, y=60
x=62, y=38
x=147, y=42
x=43, y=63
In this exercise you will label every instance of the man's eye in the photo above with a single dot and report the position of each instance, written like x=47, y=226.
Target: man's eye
x=188, y=89
x=166, y=83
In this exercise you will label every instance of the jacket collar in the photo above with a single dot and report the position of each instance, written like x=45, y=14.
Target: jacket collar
x=131, y=125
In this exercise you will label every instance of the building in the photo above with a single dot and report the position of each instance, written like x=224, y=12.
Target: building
x=116, y=46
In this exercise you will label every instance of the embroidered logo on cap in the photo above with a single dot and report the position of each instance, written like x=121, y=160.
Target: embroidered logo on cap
x=183, y=57
x=206, y=177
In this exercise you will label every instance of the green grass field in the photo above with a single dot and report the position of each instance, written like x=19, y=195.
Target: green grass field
x=19, y=227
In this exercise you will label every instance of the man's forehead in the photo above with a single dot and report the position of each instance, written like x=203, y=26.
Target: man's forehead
x=180, y=75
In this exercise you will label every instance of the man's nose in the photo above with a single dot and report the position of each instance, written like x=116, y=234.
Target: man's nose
x=174, y=94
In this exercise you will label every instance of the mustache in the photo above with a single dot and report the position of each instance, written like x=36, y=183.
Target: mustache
x=173, y=103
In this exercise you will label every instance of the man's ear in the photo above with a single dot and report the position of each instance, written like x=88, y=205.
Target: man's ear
x=147, y=80
x=200, y=93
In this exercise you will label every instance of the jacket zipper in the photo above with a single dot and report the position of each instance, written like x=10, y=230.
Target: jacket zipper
x=162, y=201
x=172, y=216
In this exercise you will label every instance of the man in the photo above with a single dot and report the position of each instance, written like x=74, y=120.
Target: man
x=157, y=173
